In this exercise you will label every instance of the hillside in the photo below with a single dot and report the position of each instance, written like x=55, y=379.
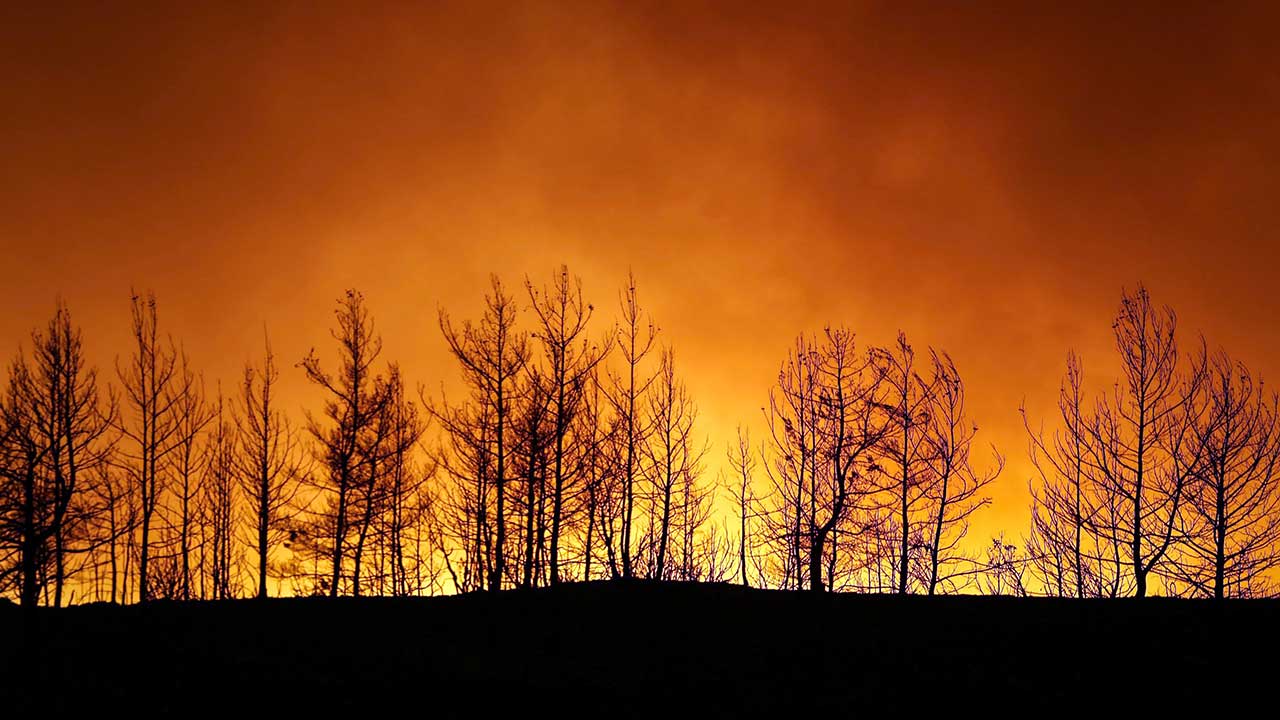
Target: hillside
x=624, y=649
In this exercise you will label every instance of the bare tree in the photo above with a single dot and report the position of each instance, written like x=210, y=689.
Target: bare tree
x=907, y=451
x=1065, y=554
x=356, y=397
x=635, y=340
x=460, y=516
x=1142, y=437
x=1230, y=539
x=956, y=492
x=492, y=355
x=218, y=509
x=152, y=431
x=532, y=435
x=742, y=463
x=595, y=431
x=1004, y=571
x=25, y=492
x=401, y=498
x=563, y=316
x=825, y=427
x=191, y=413
x=70, y=425
x=672, y=458
x=269, y=461
x=792, y=419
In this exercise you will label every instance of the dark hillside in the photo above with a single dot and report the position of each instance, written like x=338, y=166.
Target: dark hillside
x=619, y=649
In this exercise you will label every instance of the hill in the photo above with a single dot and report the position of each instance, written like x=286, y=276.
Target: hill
x=620, y=649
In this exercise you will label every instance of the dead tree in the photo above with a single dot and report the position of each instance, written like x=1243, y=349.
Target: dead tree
x=533, y=435
x=825, y=428
x=150, y=430
x=25, y=492
x=492, y=355
x=460, y=519
x=218, y=510
x=907, y=451
x=402, y=482
x=635, y=340
x=186, y=463
x=563, y=317
x=792, y=419
x=1142, y=437
x=957, y=489
x=595, y=432
x=355, y=398
x=1230, y=524
x=742, y=463
x=672, y=458
x=269, y=461
x=1064, y=553
x=69, y=423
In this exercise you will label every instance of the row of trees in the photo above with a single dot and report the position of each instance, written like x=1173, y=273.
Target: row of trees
x=1170, y=481
x=573, y=452
x=140, y=489
x=871, y=478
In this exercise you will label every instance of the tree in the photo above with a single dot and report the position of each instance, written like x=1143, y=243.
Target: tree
x=792, y=419
x=907, y=451
x=1230, y=524
x=532, y=434
x=27, y=497
x=1142, y=437
x=400, y=498
x=562, y=325
x=823, y=417
x=956, y=492
x=269, y=463
x=190, y=416
x=460, y=520
x=356, y=398
x=1064, y=552
x=492, y=355
x=596, y=432
x=60, y=427
x=218, y=508
x=635, y=340
x=672, y=458
x=151, y=392
x=742, y=463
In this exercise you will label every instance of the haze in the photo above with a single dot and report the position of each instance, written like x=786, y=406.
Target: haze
x=985, y=180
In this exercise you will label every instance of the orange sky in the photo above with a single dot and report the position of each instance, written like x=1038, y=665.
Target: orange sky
x=984, y=180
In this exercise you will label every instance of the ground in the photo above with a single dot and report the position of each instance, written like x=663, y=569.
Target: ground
x=623, y=649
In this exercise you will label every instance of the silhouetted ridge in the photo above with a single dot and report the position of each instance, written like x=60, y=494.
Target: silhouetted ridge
x=621, y=648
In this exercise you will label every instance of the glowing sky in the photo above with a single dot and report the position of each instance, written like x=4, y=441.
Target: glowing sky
x=984, y=180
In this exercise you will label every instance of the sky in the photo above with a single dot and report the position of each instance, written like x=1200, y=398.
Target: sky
x=983, y=177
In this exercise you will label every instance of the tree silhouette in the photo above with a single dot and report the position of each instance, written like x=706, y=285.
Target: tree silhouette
x=1229, y=529
x=824, y=425
x=562, y=318
x=191, y=413
x=742, y=462
x=492, y=355
x=219, y=511
x=356, y=397
x=956, y=491
x=152, y=390
x=1068, y=556
x=635, y=339
x=907, y=451
x=672, y=460
x=1142, y=438
x=269, y=461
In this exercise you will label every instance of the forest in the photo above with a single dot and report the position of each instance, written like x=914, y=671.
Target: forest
x=575, y=454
